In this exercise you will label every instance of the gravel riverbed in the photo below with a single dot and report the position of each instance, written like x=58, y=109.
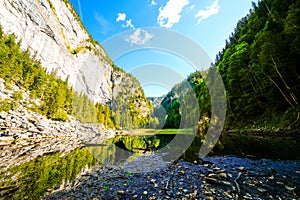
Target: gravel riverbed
x=212, y=178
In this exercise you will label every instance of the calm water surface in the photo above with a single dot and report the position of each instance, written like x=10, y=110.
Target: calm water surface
x=32, y=179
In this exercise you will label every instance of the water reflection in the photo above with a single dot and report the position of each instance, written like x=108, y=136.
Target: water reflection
x=150, y=152
x=30, y=180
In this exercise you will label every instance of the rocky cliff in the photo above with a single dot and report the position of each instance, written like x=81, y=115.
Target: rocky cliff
x=54, y=35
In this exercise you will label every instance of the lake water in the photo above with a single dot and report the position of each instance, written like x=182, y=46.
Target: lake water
x=30, y=180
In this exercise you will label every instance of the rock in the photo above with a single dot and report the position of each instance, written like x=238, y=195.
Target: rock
x=228, y=195
x=212, y=175
x=241, y=168
x=217, y=169
x=73, y=55
x=261, y=190
x=181, y=173
x=2, y=139
x=289, y=188
x=223, y=175
x=121, y=192
x=226, y=183
x=210, y=180
x=247, y=196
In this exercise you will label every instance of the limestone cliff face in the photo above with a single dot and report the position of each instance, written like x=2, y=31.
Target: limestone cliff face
x=128, y=95
x=54, y=35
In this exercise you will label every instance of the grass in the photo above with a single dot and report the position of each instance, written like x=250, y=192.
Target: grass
x=187, y=131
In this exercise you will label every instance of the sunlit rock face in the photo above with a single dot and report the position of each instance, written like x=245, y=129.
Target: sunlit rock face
x=54, y=35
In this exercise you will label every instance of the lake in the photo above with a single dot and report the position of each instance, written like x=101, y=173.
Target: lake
x=142, y=153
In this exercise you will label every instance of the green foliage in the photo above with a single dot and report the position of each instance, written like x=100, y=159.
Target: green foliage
x=185, y=101
x=154, y=123
x=174, y=116
x=18, y=96
x=259, y=64
x=57, y=99
x=136, y=143
x=104, y=115
x=83, y=108
x=260, y=69
x=6, y=105
x=46, y=172
x=130, y=106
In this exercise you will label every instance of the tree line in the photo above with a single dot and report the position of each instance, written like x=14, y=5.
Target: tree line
x=57, y=100
x=259, y=66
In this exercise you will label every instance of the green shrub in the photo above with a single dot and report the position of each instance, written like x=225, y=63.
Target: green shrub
x=18, y=96
x=6, y=105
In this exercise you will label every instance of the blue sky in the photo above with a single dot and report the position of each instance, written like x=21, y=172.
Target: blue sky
x=208, y=23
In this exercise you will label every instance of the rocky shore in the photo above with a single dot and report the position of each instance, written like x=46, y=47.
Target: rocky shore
x=24, y=124
x=21, y=122
x=213, y=178
x=26, y=135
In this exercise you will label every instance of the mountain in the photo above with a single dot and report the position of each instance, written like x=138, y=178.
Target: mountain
x=52, y=33
x=156, y=101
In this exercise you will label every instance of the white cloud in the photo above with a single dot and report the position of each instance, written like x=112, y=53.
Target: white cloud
x=139, y=37
x=170, y=14
x=192, y=7
x=129, y=24
x=208, y=11
x=121, y=17
x=153, y=3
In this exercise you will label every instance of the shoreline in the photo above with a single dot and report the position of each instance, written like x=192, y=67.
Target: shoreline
x=215, y=177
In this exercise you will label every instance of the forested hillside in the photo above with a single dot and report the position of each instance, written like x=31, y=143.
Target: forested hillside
x=260, y=65
x=56, y=100
x=70, y=71
x=260, y=69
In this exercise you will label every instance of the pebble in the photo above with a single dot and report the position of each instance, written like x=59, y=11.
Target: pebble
x=121, y=192
x=181, y=172
x=223, y=175
x=210, y=180
x=261, y=189
x=241, y=168
x=170, y=184
x=247, y=196
x=228, y=195
x=289, y=188
x=226, y=183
